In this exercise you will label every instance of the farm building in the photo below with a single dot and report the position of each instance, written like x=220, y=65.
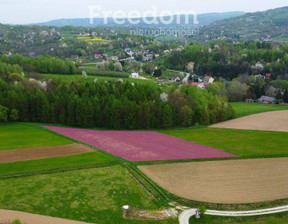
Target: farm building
x=267, y=100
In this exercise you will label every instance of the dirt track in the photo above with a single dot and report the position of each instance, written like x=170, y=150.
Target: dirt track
x=269, y=121
x=7, y=216
x=9, y=156
x=235, y=181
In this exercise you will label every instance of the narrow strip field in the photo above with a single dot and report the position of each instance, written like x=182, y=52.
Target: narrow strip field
x=228, y=182
x=244, y=109
x=9, y=156
x=141, y=145
x=269, y=121
x=8, y=216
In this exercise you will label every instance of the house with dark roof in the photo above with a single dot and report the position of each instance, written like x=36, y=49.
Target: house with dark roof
x=267, y=100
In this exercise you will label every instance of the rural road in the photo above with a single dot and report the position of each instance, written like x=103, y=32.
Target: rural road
x=185, y=80
x=185, y=216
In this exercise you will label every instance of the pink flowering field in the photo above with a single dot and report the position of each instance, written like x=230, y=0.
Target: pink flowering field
x=141, y=145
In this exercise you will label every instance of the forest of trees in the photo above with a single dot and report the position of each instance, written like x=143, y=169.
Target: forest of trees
x=222, y=59
x=112, y=104
x=41, y=64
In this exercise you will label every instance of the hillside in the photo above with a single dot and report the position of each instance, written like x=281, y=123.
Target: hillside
x=272, y=23
x=204, y=19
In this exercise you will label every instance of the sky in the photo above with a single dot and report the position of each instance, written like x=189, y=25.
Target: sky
x=33, y=11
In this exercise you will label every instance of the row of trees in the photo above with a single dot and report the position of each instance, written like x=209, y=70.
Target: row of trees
x=127, y=66
x=114, y=105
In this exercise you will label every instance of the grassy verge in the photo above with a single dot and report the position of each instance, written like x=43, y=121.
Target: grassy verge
x=245, y=109
x=244, y=143
x=20, y=135
x=94, y=195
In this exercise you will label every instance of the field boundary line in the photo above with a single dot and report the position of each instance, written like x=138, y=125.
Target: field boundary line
x=53, y=171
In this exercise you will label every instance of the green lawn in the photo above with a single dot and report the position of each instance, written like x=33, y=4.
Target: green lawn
x=21, y=135
x=245, y=109
x=239, y=142
x=92, y=195
x=92, y=159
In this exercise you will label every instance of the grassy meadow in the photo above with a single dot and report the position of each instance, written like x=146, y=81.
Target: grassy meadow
x=245, y=109
x=91, y=195
x=244, y=143
x=20, y=135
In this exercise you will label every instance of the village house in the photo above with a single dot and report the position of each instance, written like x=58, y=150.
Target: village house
x=175, y=78
x=75, y=57
x=200, y=85
x=259, y=76
x=267, y=100
x=196, y=78
x=129, y=52
x=135, y=75
x=114, y=58
x=97, y=56
x=209, y=79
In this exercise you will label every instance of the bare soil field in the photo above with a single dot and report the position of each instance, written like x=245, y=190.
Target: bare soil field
x=268, y=121
x=229, y=182
x=8, y=156
x=7, y=216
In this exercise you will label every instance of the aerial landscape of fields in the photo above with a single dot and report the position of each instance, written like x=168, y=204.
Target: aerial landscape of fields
x=152, y=114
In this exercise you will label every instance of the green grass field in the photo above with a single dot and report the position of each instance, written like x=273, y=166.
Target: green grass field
x=240, y=142
x=245, y=109
x=92, y=195
x=21, y=135
x=92, y=159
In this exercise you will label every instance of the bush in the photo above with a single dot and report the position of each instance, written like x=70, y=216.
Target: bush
x=3, y=113
x=202, y=210
x=17, y=221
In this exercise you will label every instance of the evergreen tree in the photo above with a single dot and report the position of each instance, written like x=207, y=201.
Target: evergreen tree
x=3, y=113
x=285, y=97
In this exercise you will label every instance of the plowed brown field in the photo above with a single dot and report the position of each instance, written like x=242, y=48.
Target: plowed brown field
x=9, y=156
x=269, y=121
x=233, y=181
x=7, y=216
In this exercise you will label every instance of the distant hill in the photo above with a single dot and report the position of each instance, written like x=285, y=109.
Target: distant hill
x=272, y=23
x=204, y=19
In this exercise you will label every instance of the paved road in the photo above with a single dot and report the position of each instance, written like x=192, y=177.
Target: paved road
x=185, y=216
